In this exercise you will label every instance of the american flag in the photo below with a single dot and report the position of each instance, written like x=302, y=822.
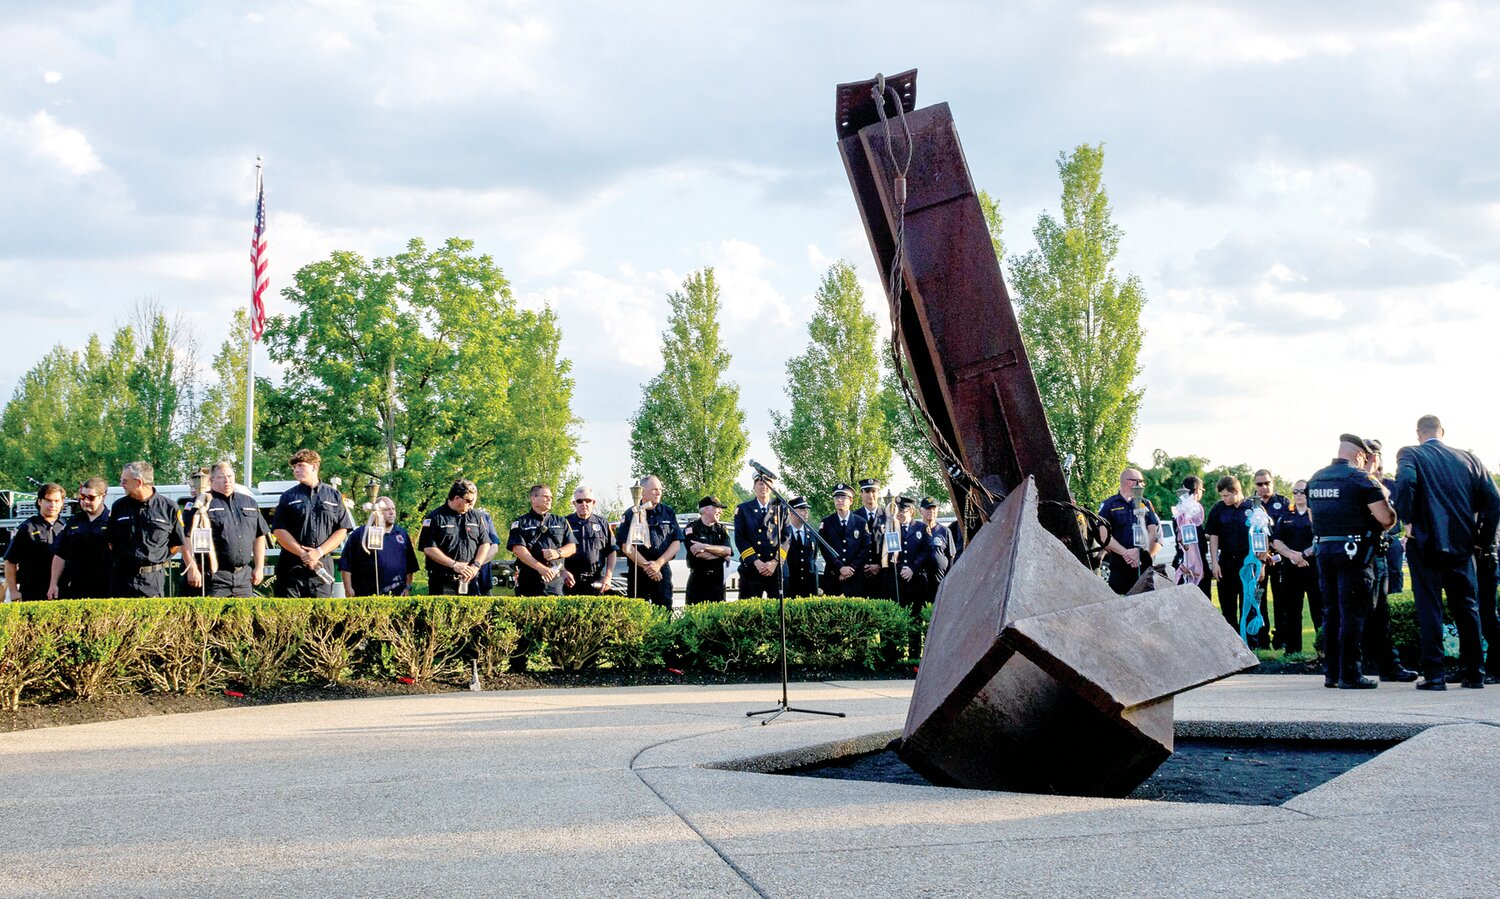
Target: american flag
x=258, y=260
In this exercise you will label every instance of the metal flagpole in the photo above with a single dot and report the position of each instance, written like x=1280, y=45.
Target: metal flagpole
x=255, y=273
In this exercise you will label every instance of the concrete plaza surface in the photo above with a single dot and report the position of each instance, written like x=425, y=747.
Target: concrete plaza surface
x=613, y=792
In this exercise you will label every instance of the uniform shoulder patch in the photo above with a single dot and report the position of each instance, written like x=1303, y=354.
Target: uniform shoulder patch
x=426, y=522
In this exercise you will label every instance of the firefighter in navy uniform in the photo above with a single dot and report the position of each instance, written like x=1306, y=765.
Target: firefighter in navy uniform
x=801, y=552
x=541, y=543
x=845, y=533
x=708, y=551
x=80, y=570
x=759, y=530
x=590, y=570
x=28, y=559
x=1349, y=508
x=906, y=576
x=310, y=522
x=650, y=574
x=1126, y=560
x=874, y=583
x=239, y=533
x=944, y=552
x=451, y=538
x=145, y=529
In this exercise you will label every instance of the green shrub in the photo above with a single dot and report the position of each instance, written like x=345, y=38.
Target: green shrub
x=176, y=646
x=822, y=633
x=28, y=651
x=98, y=642
x=259, y=640
x=578, y=632
x=338, y=631
x=428, y=637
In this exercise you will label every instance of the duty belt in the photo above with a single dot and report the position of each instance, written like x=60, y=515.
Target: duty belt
x=1351, y=543
x=148, y=569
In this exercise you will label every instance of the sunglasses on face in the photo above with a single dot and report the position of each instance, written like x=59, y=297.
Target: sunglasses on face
x=1262, y=483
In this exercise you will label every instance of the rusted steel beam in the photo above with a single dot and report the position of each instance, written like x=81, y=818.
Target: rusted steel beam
x=959, y=329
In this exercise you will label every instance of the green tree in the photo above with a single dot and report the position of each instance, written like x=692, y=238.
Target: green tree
x=837, y=423
x=1082, y=329
x=1164, y=477
x=908, y=435
x=219, y=428
x=414, y=369
x=690, y=429
x=994, y=222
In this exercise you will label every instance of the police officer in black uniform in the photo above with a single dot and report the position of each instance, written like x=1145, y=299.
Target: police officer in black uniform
x=906, y=576
x=873, y=582
x=1380, y=656
x=759, y=531
x=28, y=559
x=944, y=551
x=145, y=529
x=708, y=551
x=451, y=538
x=659, y=537
x=1292, y=538
x=590, y=570
x=801, y=552
x=1276, y=506
x=1349, y=509
x=310, y=522
x=239, y=532
x=540, y=542
x=1125, y=559
x=844, y=532
x=80, y=570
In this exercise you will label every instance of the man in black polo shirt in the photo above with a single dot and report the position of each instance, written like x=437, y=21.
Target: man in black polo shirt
x=80, y=570
x=540, y=541
x=28, y=559
x=310, y=522
x=239, y=532
x=145, y=529
x=451, y=538
x=708, y=551
x=590, y=570
x=387, y=571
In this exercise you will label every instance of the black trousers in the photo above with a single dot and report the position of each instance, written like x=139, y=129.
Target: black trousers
x=1489, y=621
x=1349, y=590
x=1380, y=652
x=1270, y=594
x=1432, y=575
x=705, y=584
x=754, y=584
x=231, y=582
x=639, y=585
x=1122, y=576
x=151, y=584
x=1297, y=584
x=1231, y=590
x=832, y=586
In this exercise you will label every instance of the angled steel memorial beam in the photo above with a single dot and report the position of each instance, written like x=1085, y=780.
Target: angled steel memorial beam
x=960, y=333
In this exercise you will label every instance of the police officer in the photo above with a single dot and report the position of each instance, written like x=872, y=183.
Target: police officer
x=1349, y=509
x=239, y=533
x=80, y=570
x=944, y=552
x=650, y=546
x=1380, y=654
x=874, y=584
x=589, y=571
x=310, y=522
x=1276, y=506
x=1292, y=538
x=708, y=551
x=1126, y=560
x=846, y=552
x=906, y=577
x=540, y=542
x=386, y=571
x=759, y=530
x=484, y=582
x=801, y=552
x=145, y=529
x=451, y=538
x=28, y=559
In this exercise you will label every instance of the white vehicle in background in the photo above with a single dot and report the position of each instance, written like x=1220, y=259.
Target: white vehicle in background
x=679, y=568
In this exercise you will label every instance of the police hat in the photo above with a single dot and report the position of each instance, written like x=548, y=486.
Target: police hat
x=762, y=476
x=1357, y=441
x=1373, y=444
x=870, y=484
x=906, y=502
x=843, y=489
x=929, y=503
x=799, y=503
x=707, y=501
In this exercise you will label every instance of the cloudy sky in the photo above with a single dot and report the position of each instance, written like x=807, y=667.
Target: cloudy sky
x=1309, y=193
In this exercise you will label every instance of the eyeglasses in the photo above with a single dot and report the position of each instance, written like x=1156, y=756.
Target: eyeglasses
x=1135, y=480
x=1262, y=483
x=88, y=497
x=584, y=501
x=1299, y=492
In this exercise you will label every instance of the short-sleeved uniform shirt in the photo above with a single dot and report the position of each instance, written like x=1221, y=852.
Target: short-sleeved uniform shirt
x=31, y=549
x=395, y=559
x=142, y=533
x=1120, y=514
x=1231, y=524
x=712, y=534
x=595, y=540
x=311, y=515
x=1339, y=496
x=537, y=532
x=84, y=545
x=459, y=535
x=1294, y=528
x=235, y=521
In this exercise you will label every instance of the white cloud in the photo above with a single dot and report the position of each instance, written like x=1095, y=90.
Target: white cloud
x=44, y=137
x=744, y=275
x=52, y=77
x=1209, y=37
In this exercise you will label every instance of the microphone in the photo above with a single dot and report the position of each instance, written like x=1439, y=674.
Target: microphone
x=762, y=469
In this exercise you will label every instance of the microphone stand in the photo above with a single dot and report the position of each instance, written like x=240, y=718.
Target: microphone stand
x=785, y=705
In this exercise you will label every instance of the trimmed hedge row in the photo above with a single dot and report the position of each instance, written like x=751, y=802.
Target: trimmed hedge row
x=80, y=649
